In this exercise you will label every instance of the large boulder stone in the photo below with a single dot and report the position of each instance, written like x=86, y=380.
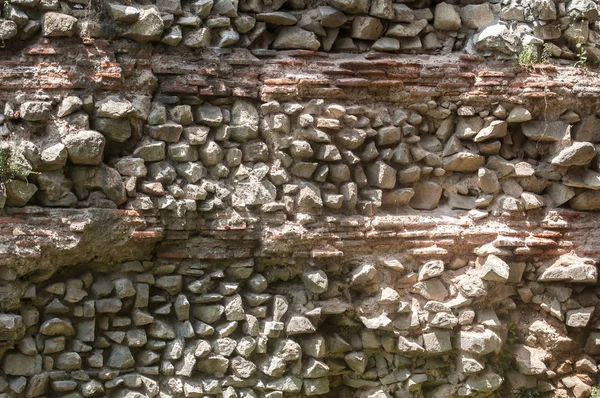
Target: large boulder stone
x=497, y=38
x=8, y=29
x=35, y=111
x=148, y=27
x=103, y=178
x=85, y=147
x=477, y=16
x=57, y=24
x=331, y=18
x=381, y=175
x=529, y=360
x=588, y=129
x=586, y=201
x=366, y=28
x=479, y=343
x=484, y=383
x=18, y=192
x=426, y=196
x=244, y=121
x=446, y=17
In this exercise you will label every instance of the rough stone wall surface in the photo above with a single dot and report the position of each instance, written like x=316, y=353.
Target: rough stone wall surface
x=268, y=199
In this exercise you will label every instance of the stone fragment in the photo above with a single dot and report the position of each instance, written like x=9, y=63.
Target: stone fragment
x=579, y=318
x=496, y=129
x=530, y=360
x=431, y=289
x=494, y=269
x=497, y=37
x=484, y=383
x=431, y=269
x=315, y=281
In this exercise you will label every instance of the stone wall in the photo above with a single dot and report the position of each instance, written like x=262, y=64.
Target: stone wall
x=286, y=198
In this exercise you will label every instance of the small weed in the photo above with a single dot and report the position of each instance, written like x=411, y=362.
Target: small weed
x=10, y=166
x=580, y=51
x=525, y=392
x=531, y=55
x=528, y=55
x=594, y=393
x=503, y=361
x=512, y=337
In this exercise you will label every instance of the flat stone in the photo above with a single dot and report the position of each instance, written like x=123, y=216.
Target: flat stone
x=570, y=268
x=463, y=162
x=351, y=6
x=546, y=131
x=293, y=37
x=576, y=154
x=22, y=365
x=402, y=30
x=277, y=18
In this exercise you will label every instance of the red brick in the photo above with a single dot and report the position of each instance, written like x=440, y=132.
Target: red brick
x=352, y=82
x=387, y=83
